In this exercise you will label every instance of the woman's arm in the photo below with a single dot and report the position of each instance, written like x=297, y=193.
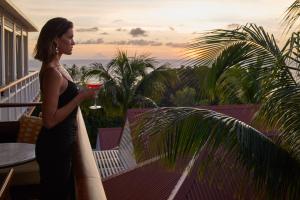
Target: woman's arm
x=52, y=81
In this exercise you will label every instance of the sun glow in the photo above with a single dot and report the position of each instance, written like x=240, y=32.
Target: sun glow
x=167, y=25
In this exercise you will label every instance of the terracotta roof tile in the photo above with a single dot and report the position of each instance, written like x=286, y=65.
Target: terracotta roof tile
x=218, y=182
x=155, y=182
x=109, y=137
x=243, y=112
x=149, y=182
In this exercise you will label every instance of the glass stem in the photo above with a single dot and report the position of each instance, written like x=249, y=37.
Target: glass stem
x=96, y=100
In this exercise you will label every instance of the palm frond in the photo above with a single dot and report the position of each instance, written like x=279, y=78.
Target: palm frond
x=182, y=132
x=286, y=116
x=243, y=48
x=97, y=70
x=291, y=17
x=224, y=49
x=240, y=85
x=140, y=101
x=291, y=52
x=203, y=50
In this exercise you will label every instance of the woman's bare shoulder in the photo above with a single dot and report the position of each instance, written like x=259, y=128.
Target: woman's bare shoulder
x=50, y=73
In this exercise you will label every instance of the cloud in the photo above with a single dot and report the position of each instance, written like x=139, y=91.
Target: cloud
x=171, y=28
x=194, y=33
x=136, y=32
x=176, y=45
x=121, y=30
x=92, y=29
x=117, y=21
x=144, y=42
x=120, y=42
x=104, y=33
x=233, y=26
x=91, y=41
x=137, y=42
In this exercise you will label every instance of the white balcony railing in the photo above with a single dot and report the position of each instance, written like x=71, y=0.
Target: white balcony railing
x=88, y=185
x=25, y=89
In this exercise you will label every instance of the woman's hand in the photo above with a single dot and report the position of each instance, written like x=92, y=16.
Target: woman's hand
x=86, y=94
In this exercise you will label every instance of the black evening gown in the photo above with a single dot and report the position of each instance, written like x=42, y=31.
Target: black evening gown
x=54, y=149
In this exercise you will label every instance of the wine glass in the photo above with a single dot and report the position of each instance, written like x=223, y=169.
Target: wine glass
x=95, y=84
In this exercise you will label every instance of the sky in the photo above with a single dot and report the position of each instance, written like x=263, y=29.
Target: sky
x=160, y=28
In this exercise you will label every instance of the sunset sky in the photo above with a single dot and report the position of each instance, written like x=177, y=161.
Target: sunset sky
x=158, y=27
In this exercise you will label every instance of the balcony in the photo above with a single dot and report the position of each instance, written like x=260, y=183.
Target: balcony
x=25, y=89
x=88, y=185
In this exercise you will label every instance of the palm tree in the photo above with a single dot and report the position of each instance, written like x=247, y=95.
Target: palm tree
x=73, y=71
x=77, y=73
x=273, y=165
x=130, y=81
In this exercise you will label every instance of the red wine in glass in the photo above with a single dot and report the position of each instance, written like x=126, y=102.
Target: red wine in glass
x=96, y=86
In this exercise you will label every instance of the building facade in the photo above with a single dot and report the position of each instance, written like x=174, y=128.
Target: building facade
x=17, y=84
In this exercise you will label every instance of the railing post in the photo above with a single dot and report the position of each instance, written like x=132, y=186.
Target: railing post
x=15, y=111
x=26, y=90
x=8, y=100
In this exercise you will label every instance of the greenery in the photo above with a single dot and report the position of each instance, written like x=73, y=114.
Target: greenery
x=184, y=97
x=248, y=58
x=133, y=82
x=129, y=80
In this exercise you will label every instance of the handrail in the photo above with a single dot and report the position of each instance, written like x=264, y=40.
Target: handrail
x=31, y=104
x=88, y=183
x=25, y=89
x=2, y=89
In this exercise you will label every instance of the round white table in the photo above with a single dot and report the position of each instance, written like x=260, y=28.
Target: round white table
x=13, y=154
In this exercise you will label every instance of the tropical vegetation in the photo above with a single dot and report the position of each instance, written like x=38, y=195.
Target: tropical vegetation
x=267, y=76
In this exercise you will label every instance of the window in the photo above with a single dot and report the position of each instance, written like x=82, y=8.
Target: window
x=25, y=46
x=8, y=39
x=19, y=64
x=1, y=71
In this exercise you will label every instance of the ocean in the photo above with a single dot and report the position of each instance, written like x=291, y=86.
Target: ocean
x=35, y=65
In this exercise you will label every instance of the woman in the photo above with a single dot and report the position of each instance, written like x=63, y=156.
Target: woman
x=60, y=98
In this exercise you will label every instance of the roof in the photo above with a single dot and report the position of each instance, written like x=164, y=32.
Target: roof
x=243, y=112
x=149, y=182
x=133, y=114
x=218, y=182
x=108, y=138
x=18, y=14
x=154, y=181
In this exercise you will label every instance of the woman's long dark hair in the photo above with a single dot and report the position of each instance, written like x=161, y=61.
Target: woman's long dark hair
x=45, y=49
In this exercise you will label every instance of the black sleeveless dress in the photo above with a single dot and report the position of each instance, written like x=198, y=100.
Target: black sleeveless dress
x=54, y=150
